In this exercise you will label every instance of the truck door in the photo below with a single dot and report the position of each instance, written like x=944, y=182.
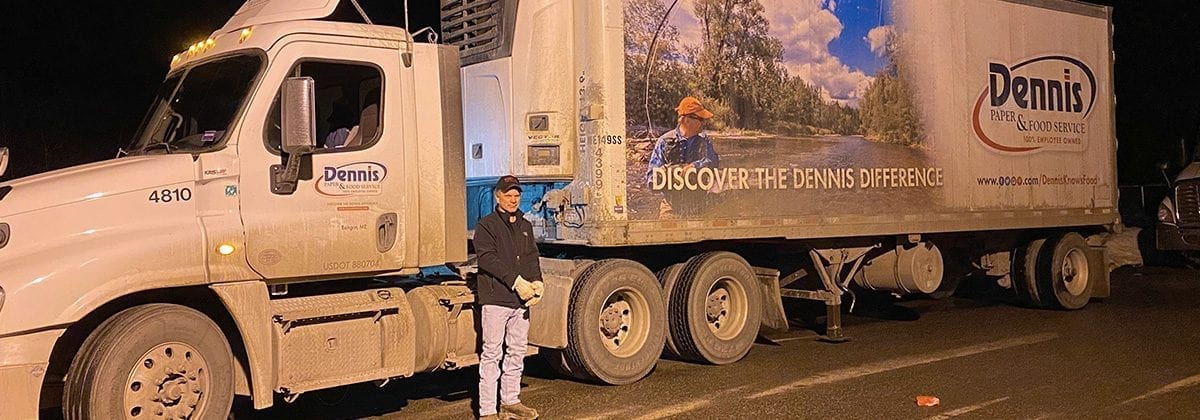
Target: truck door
x=343, y=217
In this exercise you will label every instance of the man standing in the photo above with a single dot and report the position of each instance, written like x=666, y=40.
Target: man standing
x=509, y=282
x=689, y=147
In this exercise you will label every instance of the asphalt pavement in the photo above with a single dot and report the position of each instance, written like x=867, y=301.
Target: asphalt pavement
x=1132, y=355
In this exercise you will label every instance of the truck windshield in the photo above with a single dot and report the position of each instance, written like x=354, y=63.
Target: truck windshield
x=195, y=107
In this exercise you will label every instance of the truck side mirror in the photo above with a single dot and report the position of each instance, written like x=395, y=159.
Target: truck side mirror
x=299, y=118
x=299, y=132
x=3, y=160
x=1162, y=168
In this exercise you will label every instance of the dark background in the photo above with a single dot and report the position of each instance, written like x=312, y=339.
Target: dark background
x=78, y=75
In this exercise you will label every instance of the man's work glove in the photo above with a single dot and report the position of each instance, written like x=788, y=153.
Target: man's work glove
x=523, y=288
x=539, y=289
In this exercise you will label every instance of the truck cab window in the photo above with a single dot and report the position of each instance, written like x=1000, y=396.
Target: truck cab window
x=195, y=107
x=348, y=100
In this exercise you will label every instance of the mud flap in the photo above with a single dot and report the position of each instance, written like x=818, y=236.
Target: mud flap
x=1099, y=272
x=773, y=318
x=548, y=319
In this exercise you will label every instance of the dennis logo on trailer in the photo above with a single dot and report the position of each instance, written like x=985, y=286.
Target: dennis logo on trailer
x=1040, y=104
x=359, y=178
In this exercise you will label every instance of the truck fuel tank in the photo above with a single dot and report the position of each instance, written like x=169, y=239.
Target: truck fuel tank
x=909, y=268
x=444, y=327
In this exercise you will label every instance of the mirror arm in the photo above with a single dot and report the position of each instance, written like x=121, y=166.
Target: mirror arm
x=285, y=178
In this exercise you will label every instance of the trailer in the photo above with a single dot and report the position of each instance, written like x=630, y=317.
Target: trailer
x=294, y=213
x=974, y=135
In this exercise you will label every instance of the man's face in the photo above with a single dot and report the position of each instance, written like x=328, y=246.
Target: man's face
x=509, y=200
x=691, y=125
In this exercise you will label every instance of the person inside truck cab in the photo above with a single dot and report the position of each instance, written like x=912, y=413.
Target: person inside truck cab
x=343, y=126
x=347, y=98
x=686, y=146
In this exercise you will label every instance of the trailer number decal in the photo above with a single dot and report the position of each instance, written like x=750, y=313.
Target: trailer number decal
x=169, y=195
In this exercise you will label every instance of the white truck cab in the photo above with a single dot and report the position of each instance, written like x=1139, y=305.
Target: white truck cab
x=211, y=206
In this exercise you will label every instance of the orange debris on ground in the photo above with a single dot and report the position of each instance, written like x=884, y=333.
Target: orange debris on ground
x=928, y=401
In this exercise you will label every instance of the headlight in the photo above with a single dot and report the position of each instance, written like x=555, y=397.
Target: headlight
x=1166, y=213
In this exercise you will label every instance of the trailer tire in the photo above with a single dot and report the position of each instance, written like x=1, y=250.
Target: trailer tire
x=616, y=324
x=1025, y=273
x=715, y=288
x=171, y=353
x=667, y=278
x=1063, y=273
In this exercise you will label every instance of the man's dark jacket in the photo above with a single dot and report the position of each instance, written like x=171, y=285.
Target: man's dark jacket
x=505, y=250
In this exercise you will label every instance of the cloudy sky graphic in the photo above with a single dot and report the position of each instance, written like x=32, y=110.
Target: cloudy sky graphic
x=834, y=45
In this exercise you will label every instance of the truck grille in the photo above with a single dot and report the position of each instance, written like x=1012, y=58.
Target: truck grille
x=475, y=26
x=1187, y=202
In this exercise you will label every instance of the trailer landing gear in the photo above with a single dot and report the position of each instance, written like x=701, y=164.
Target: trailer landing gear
x=829, y=264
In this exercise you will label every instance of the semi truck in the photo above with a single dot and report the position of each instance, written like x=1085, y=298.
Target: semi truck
x=294, y=212
x=1178, y=228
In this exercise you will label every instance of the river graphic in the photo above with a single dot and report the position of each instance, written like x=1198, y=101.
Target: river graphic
x=852, y=152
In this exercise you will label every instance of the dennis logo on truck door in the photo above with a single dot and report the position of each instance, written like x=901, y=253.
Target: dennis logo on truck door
x=1040, y=104
x=359, y=178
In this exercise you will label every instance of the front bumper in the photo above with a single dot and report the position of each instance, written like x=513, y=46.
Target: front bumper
x=23, y=361
x=1172, y=238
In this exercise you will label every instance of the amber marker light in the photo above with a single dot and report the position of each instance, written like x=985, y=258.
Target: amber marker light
x=225, y=249
x=245, y=34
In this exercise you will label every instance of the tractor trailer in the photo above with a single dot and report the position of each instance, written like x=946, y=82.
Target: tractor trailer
x=296, y=208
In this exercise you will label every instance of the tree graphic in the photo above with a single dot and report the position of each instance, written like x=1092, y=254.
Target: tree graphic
x=887, y=109
x=735, y=67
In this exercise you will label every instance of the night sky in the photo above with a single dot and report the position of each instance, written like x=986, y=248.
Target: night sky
x=78, y=75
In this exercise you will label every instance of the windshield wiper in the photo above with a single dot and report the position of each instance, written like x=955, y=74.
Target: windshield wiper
x=165, y=145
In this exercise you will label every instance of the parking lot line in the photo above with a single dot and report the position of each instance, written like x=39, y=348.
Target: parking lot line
x=905, y=362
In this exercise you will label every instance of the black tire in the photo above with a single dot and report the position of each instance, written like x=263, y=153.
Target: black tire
x=696, y=323
x=557, y=358
x=628, y=296
x=667, y=278
x=158, y=349
x=1063, y=272
x=1024, y=273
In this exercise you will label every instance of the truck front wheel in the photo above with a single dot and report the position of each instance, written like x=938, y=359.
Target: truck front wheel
x=152, y=361
x=616, y=324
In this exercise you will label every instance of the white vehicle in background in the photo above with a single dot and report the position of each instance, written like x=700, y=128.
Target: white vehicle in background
x=288, y=163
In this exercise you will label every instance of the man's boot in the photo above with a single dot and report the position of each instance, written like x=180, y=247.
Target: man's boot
x=518, y=411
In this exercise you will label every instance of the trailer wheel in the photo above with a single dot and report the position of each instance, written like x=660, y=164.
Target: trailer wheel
x=715, y=310
x=616, y=324
x=1063, y=273
x=667, y=278
x=1024, y=273
x=152, y=361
